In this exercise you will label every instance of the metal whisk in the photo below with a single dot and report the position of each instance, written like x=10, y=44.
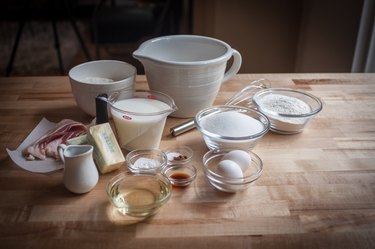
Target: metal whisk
x=245, y=95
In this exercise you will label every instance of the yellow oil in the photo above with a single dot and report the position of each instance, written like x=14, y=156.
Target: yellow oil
x=138, y=201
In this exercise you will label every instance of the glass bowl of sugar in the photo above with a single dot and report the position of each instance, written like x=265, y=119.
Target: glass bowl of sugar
x=288, y=110
x=226, y=126
x=146, y=160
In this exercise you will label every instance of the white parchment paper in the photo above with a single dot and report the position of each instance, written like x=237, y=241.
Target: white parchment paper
x=37, y=166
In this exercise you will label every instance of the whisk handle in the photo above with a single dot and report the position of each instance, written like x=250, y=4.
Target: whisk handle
x=182, y=128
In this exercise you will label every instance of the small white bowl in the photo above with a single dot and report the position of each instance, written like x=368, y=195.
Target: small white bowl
x=90, y=79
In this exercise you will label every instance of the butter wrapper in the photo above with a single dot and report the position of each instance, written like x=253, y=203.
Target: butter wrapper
x=77, y=140
x=107, y=153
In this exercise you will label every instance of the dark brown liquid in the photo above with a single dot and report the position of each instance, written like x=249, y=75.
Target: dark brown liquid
x=180, y=176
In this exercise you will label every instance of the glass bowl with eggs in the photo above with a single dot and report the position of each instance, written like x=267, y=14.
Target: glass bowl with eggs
x=140, y=194
x=288, y=110
x=232, y=170
x=227, y=126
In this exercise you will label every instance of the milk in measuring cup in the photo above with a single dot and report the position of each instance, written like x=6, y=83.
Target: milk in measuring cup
x=136, y=129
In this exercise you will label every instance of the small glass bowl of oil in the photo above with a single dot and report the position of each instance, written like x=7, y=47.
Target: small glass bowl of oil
x=140, y=194
x=180, y=175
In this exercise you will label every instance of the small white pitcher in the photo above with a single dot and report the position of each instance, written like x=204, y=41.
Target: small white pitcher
x=80, y=172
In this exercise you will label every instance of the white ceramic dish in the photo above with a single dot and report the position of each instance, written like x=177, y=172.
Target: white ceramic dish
x=188, y=68
x=85, y=91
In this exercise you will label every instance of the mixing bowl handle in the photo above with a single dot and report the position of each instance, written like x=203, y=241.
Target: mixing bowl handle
x=101, y=108
x=237, y=61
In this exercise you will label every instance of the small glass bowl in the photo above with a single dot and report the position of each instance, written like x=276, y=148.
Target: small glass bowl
x=229, y=184
x=220, y=141
x=140, y=194
x=179, y=154
x=180, y=175
x=288, y=123
x=146, y=161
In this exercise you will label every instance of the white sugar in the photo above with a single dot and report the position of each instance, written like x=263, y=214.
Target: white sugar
x=231, y=123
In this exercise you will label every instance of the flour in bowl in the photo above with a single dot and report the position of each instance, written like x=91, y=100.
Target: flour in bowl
x=232, y=124
x=286, y=105
x=97, y=80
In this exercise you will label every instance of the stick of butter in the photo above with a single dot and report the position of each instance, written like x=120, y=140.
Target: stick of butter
x=107, y=153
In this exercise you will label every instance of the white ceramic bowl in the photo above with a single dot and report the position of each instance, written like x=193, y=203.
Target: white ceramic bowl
x=88, y=81
x=189, y=68
x=238, y=134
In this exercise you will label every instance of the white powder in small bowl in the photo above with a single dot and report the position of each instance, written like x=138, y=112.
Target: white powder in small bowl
x=232, y=124
x=97, y=80
x=146, y=164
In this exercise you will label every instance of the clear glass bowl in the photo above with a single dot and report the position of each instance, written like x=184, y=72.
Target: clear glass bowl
x=139, y=194
x=146, y=161
x=246, y=140
x=180, y=175
x=287, y=123
x=229, y=184
x=178, y=154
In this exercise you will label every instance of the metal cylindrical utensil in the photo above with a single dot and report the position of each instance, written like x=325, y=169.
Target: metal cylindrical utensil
x=245, y=93
x=182, y=128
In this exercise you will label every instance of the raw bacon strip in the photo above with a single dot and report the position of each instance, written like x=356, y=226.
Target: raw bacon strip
x=46, y=146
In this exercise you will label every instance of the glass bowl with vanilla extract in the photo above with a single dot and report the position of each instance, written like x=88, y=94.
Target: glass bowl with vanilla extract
x=180, y=175
x=179, y=170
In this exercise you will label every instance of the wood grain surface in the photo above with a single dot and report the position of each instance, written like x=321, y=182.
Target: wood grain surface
x=317, y=189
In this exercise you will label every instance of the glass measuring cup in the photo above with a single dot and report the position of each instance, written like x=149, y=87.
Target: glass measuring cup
x=139, y=117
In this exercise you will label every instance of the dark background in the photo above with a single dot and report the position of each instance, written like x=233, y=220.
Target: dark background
x=272, y=36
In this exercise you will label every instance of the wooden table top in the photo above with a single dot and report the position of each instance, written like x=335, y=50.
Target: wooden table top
x=317, y=189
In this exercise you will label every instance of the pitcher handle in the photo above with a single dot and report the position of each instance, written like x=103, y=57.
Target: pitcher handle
x=237, y=61
x=61, y=149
